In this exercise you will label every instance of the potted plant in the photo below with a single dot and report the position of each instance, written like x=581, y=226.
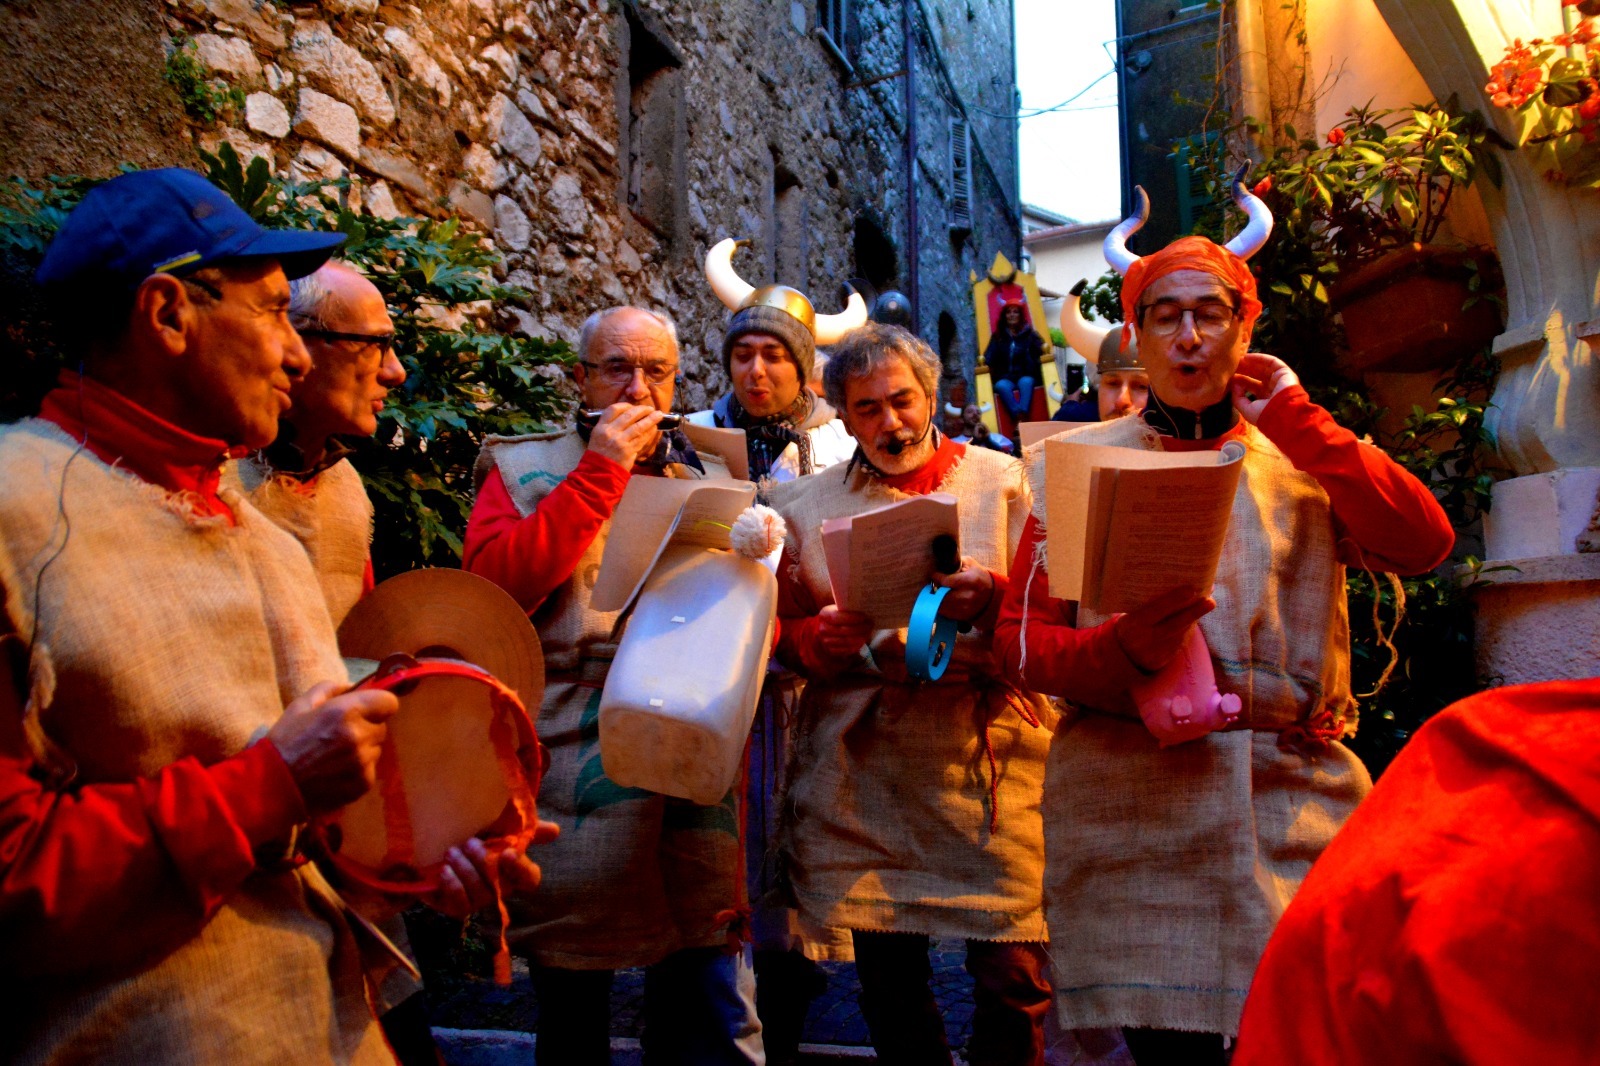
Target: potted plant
x=1553, y=88
x=1374, y=197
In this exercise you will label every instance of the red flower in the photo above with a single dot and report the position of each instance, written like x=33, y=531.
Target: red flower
x=1263, y=186
x=1336, y=136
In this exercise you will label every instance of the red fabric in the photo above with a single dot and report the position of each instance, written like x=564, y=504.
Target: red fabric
x=1385, y=519
x=1189, y=253
x=530, y=557
x=120, y=432
x=100, y=876
x=797, y=646
x=1454, y=919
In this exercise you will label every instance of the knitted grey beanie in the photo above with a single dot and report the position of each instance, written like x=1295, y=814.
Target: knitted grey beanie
x=782, y=325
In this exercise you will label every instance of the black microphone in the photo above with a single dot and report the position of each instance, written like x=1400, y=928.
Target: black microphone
x=895, y=447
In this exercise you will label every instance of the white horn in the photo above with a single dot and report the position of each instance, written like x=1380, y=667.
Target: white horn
x=830, y=329
x=730, y=288
x=1116, y=247
x=1055, y=393
x=986, y=408
x=952, y=409
x=1084, y=338
x=1248, y=241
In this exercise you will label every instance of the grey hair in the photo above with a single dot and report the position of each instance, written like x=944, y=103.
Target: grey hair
x=867, y=350
x=312, y=301
x=592, y=324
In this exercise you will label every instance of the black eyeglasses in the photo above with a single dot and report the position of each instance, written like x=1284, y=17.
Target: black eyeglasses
x=620, y=373
x=384, y=341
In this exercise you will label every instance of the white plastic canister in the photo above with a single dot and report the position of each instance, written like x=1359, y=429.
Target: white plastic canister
x=682, y=690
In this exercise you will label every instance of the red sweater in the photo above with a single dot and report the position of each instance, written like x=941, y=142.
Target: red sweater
x=1384, y=519
x=101, y=875
x=1453, y=918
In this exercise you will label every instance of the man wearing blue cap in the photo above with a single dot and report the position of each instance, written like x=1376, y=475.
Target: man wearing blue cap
x=168, y=706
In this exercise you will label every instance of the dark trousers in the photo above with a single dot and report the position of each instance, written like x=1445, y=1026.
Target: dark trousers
x=1173, y=1047
x=1011, y=995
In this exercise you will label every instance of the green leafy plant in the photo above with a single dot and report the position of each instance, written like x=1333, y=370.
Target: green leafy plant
x=205, y=98
x=464, y=380
x=1556, y=98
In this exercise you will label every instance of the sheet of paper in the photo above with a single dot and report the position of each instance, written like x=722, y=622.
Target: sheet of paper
x=1069, y=469
x=655, y=512
x=727, y=444
x=888, y=555
x=1031, y=433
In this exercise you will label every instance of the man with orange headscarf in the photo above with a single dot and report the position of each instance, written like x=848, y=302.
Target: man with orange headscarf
x=1166, y=867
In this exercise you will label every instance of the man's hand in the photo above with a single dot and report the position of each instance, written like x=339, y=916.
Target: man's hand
x=624, y=432
x=466, y=885
x=331, y=743
x=971, y=591
x=1263, y=377
x=840, y=634
x=1153, y=634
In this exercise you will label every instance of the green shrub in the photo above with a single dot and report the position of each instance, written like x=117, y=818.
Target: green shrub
x=206, y=99
x=463, y=382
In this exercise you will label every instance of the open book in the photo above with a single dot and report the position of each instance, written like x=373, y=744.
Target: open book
x=655, y=512
x=880, y=560
x=1031, y=433
x=1126, y=526
x=729, y=445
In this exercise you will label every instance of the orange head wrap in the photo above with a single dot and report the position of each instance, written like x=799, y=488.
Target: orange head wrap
x=1189, y=253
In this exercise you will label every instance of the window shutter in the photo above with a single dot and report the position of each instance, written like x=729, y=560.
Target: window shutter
x=960, y=174
x=1192, y=157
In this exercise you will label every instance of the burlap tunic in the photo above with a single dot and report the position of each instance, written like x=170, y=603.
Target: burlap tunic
x=634, y=875
x=330, y=515
x=161, y=635
x=1167, y=869
x=888, y=805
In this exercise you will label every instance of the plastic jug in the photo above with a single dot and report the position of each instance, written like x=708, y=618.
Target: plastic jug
x=682, y=690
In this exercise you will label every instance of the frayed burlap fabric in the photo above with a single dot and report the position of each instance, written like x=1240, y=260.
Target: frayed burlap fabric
x=1167, y=869
x=172, y=635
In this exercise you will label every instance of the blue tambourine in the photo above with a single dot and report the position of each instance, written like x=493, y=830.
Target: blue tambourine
x=930, y=636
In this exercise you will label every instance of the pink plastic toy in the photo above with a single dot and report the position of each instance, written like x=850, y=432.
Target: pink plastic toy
x=1182, y=702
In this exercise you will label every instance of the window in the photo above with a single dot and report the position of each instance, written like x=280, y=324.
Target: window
x=1193, y=158
x=654, y=126
x=960, y=174
x=833, y=22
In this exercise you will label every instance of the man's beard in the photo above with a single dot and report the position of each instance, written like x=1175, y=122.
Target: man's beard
x=902, y=451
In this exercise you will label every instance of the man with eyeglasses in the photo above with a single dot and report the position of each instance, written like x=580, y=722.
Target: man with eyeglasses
x=636, y=879
x=1166, y=867
x=172, y=702
x=303, y=480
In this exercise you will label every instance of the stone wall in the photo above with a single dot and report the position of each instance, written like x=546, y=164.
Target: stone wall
x=603, y=145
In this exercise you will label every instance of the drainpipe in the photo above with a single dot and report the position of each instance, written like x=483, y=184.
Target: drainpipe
x=1255, y=97
x=912, y=246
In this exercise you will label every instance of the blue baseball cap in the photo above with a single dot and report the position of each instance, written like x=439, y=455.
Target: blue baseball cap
x=169, y=220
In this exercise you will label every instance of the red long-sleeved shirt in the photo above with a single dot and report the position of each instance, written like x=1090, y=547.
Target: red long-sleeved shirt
x=531, y=556
x=99, y=876
x=1384, y=519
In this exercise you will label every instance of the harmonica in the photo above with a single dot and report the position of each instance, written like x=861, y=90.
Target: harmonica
x=668, y=422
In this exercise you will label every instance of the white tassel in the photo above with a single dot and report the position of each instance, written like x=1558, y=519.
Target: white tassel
x=757, y=533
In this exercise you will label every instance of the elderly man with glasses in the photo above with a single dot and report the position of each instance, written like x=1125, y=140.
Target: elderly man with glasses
x=1168, y=864
x=636, y=879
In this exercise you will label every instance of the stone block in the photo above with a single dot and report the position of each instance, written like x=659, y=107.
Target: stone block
x=260, y=26
x=278, y=79
x=509, y=128
x=1541, y=514
x=266, y=114
x=230, y=56
x=246, y=146
x=568, y=207
x=313, y=163
x=330, y=64
x=511, y=227
x=329, y=122
x=398, y=170
x=475, y=205
x=380, y=201
x=503, y=61
x=482, y=169
x=421, y=64
x=352, y=7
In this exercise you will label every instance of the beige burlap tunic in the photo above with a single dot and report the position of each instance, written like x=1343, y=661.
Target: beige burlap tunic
x=329, y=514
x=1168, y=868
x=159, y=635
x=887, y=810
x=634, y=875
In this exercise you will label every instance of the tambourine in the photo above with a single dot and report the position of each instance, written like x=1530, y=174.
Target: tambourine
x=461, y=760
